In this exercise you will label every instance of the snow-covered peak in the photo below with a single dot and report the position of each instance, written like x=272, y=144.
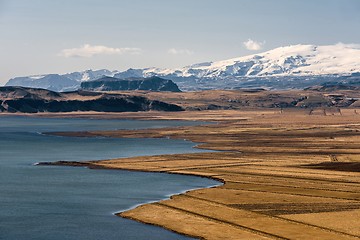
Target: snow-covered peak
x=89, y=74
x=57, y=82
x=295, y=62
x=295, y=59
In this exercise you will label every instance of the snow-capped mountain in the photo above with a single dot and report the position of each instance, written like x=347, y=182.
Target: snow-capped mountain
x=57, y=82
x=299, y=60
x=295, y=66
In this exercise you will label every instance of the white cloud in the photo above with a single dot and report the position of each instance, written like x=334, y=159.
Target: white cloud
x=88, y=50
x=175, y=51
x=253, y=45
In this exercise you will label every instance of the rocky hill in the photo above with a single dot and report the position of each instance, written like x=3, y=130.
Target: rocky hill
x=19, y=99
x=259, y=99
x=29, y=100
x=116, y=84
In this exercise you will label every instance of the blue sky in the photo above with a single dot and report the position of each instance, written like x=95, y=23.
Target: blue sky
x=50, y=36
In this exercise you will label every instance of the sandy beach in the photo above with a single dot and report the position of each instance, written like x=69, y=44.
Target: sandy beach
x=287, y=175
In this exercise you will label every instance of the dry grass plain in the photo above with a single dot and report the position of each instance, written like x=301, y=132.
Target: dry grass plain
x=286, y=174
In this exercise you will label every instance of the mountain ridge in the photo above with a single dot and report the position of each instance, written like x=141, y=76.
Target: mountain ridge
x=130, y=84
x=34, y=100
x=294, y=66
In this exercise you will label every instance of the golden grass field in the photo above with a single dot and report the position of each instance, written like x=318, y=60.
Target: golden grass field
x=286, y=174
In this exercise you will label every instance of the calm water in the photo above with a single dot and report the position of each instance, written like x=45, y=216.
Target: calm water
x=44, y=202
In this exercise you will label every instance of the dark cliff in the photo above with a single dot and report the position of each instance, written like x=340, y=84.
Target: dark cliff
x=130, y=84
x=29, y=100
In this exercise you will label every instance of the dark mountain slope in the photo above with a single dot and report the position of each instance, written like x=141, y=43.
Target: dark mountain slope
x=116, y=84
x=29, y=100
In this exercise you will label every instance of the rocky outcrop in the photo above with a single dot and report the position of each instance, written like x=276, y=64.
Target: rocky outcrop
x=116, y=84
x=28, y=100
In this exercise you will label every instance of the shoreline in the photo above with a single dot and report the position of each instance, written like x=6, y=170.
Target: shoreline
x=87, y=192
x=119, y=213
x=90, y=165
x=262, y=164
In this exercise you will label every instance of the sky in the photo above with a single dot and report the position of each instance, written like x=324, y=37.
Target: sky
x=60, y=36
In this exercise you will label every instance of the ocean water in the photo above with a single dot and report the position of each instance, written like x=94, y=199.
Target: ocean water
x=53, y=202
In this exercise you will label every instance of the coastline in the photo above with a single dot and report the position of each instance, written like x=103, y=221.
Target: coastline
x=89, y=165
x=270, y=191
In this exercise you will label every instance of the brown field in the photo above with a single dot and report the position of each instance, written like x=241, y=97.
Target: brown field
x=286, y=174
x=240, y=99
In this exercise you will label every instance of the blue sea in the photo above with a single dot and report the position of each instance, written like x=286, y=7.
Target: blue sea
x=53, y=202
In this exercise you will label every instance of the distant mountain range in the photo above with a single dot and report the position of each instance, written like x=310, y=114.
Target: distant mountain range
x=57, y=82
x=296, y=66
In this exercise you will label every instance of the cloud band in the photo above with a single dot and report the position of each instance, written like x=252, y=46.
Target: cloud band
x=88, y=51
